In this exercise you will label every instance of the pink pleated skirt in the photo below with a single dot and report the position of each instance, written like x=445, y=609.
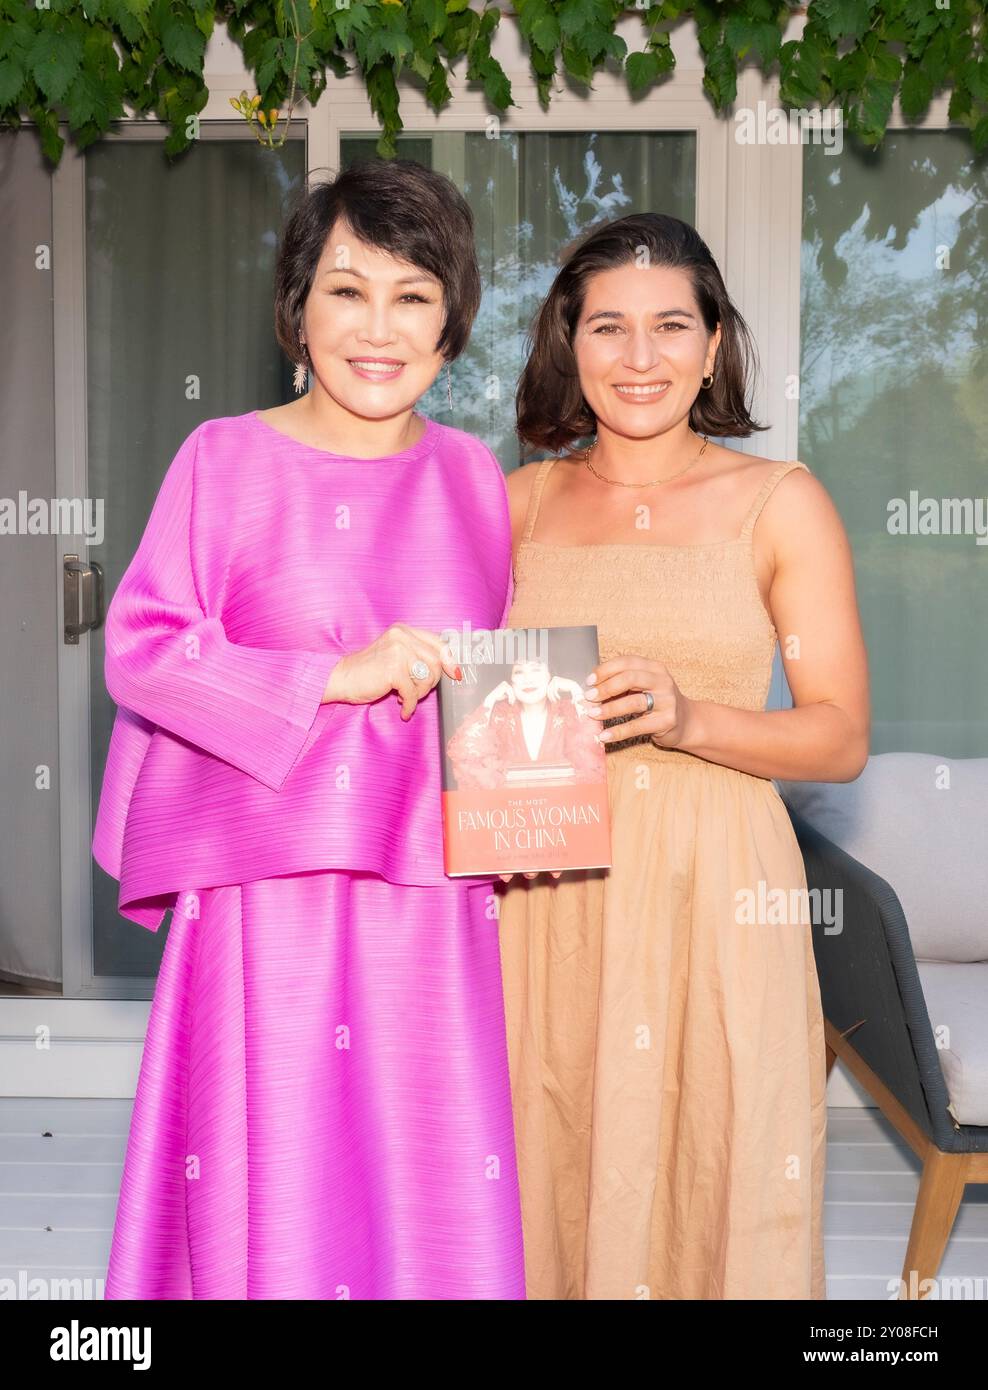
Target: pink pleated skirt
x=323, y=1109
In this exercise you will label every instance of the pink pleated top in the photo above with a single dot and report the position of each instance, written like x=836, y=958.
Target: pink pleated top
x=263, y=562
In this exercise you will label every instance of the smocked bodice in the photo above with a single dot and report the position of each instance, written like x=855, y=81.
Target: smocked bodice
x=696, y=608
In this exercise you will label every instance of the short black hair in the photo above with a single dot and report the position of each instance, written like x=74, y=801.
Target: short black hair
x=398, y=206
x=552, y=412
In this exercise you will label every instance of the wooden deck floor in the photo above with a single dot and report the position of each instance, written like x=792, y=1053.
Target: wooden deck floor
x=58, y=1196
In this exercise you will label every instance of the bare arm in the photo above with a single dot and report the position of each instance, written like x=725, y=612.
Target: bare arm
x=812, y=598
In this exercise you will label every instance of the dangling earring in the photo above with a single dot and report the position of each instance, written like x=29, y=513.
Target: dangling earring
x=449, y=386
x=301, y=381
x=707, y=384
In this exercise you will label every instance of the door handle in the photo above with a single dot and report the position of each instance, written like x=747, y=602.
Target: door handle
x=82, y=589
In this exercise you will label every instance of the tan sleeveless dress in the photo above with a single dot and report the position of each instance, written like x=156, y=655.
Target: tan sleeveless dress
x=667, y=1060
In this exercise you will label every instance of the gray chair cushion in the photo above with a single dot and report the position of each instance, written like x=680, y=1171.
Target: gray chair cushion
x=921, y=823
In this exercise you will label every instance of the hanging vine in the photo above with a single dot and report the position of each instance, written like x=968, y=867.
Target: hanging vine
x=85, y=63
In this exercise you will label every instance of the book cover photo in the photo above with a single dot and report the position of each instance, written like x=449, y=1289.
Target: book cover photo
x=524, y=778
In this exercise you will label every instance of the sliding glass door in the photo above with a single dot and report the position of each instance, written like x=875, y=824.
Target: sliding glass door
x=177, y=305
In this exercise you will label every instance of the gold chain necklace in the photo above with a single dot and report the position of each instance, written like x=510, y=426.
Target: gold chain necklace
x=616, y=482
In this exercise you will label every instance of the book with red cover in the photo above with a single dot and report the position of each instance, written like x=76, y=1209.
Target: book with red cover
x=524, y=780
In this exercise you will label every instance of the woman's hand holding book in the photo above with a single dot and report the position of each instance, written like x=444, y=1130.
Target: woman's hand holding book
x=386, y=664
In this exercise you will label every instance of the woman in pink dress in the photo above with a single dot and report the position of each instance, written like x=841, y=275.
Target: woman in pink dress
x=323, y=1107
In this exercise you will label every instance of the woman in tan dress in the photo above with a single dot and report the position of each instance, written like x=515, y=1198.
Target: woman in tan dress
x=665, y=1032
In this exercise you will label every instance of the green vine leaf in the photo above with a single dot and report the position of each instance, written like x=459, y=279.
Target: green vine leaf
x=53, y=60
x=761, y=37
x=545, y=33
x=577, y=63
x=916, y=93
x=11, y=80
x=16, y=39
x=128, y=17
x=437, y=88
x=354, y=20
x=642, y=69
x=383, y=93
x=802, y=71
x=89, y=100
x=720, y=76
x=269, y=64
x=183, y=44
x=431, y=14
x=876, y=107
x=52, y=143
x=584, y=15
x=844, y=19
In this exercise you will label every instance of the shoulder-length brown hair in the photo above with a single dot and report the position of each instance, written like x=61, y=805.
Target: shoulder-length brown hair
x=551, y=410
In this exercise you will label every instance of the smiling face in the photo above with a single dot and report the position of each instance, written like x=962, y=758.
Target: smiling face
x=642, y=348
x=371, y=324
x=530, y=680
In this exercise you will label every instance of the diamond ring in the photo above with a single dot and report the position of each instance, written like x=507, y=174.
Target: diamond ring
x=419, y=670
